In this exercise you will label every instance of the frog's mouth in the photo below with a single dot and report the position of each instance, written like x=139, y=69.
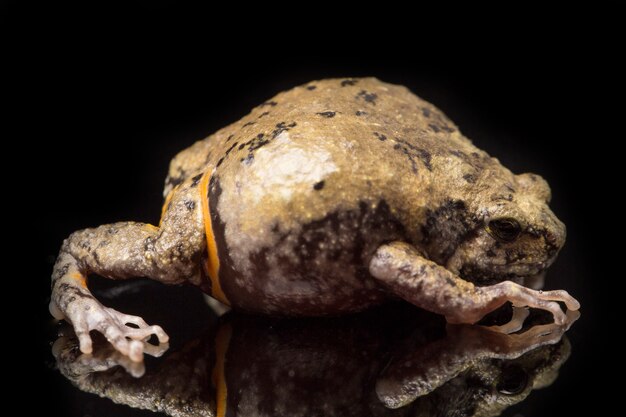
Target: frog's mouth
x=483, y=277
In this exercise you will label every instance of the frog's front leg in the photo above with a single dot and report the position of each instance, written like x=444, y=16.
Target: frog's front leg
x=407, y=274
x=170, y=253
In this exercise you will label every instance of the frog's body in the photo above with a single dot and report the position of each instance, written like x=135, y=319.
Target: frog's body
x=330, y=198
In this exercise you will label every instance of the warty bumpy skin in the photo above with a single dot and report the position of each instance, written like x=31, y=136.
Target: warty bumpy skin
x=326, y=199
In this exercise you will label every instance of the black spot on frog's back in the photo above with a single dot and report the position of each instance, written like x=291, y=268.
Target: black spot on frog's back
x=413, y=153
x=228, y=151
x=191, y=205
x=257, y=142
x=367, y=97
x=473, y=160
x=195, y=180
x=434, y=127
x=425, y=156
x=260, y=140
x=282, y=127
x=380, y=136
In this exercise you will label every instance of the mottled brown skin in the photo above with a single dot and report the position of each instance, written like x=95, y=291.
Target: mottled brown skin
x=329, y=198
x=354, y=366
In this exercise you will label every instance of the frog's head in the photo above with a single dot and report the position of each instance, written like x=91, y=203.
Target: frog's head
x=515, y=235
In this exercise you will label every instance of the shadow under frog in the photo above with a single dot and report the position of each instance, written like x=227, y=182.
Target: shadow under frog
x=354, y=366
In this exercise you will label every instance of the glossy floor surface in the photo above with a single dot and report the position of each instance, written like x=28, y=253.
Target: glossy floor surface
x=391, y=361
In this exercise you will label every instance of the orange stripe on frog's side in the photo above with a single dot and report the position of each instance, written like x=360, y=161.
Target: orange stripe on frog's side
x=80, y=278
x=166, y=204
x=222, y=341
x=213, y=266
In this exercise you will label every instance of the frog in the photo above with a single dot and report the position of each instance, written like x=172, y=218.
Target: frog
x=327, y=199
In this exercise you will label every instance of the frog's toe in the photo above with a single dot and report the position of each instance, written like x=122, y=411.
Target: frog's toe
x=81, y=328
x=143, y=331
x=559, y=295
x=126, y=333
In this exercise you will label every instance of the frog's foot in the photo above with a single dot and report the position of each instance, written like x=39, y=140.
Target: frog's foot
x=515, y=324
x=105, y=357
x=125, y=332
x=521, y=296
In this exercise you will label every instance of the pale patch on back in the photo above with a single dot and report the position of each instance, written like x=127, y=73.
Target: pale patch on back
x=282, y=171
x=287, y=167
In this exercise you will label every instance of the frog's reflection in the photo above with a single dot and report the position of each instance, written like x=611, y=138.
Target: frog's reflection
x=387, y=362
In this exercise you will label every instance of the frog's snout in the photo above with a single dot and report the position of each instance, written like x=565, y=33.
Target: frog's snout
x=554, y=238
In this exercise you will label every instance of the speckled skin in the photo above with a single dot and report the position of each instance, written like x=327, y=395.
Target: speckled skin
x=354, y=366
x=329, y=198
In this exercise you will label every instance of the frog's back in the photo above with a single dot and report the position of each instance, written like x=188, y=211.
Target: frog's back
x=357, y=120
x=307, y=186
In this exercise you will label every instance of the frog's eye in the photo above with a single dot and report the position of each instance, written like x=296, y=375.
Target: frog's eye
x=512, y=381
x=504, y=229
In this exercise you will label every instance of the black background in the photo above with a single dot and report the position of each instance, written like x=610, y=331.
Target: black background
x=105, y=96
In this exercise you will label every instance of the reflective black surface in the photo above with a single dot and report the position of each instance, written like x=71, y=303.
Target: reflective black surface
x=108, y=96
x=395, y=360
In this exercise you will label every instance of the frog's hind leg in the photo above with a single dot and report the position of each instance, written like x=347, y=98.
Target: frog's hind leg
x=402, y=270
x=170, y=254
